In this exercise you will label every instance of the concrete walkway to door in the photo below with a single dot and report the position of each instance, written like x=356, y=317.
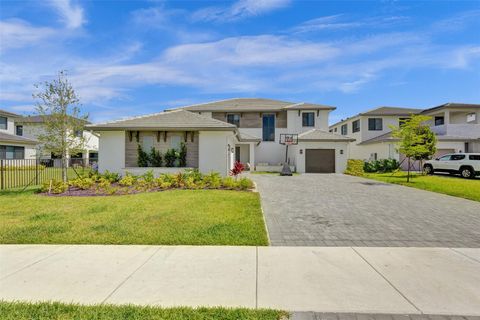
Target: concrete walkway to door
x=347, y=280
x=339, y=210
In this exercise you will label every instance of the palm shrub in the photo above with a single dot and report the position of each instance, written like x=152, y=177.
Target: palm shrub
x=229, y=183
x=54, y=186
x=245, y=183
x=83, y=183
x=128, y=180
x=213, y=180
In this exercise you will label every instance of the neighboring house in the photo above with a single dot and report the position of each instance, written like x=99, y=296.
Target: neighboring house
x=12, y=144
x=457, y=127
x=218, y=133
x=33, y=126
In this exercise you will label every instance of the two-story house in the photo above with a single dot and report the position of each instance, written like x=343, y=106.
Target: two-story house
x=457, y=127
x=33, y=126
x=218, y=133
x=13, y=146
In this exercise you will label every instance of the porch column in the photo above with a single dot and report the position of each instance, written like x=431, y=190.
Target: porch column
x=251, y=146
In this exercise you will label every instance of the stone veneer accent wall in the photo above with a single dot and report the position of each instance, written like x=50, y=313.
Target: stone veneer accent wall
x=254, y=119
x=131, y=153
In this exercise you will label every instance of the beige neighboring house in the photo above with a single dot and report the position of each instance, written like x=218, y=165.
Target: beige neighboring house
x=14, y=146
x=219, y=133
x=457, y=127
x=33, y=126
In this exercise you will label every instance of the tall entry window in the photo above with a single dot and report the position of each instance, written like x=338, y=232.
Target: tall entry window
x=268, y=124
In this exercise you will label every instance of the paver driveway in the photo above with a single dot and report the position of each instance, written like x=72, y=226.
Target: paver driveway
x=340, y=210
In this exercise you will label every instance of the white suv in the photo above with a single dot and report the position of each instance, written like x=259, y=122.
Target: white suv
x=465, y=164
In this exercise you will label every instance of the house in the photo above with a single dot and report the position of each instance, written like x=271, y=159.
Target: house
x=216, y=134
x=33, y=126
x=12, y=144
x=456, y=125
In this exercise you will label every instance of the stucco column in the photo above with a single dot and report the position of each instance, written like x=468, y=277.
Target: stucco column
x=447, y=117
x=252, y=156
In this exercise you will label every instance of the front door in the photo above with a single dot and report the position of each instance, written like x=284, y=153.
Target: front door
x=237, y=154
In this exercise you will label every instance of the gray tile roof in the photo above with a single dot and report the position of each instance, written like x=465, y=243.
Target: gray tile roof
x=252, y=104
x=453, y=105
x=248, y=137
x=10, y=138
x=387, y=137
x=383, y=111
x=320, y=135
x=35, y=119
x=169, y=120
x=9, y=114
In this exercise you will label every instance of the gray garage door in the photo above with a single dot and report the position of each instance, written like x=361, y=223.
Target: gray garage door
x=320, y=160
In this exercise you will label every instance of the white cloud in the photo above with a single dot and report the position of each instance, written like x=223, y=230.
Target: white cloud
x=239, y=10
x=72, y=15
x=16, y=33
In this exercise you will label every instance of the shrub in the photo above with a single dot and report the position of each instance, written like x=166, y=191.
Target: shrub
x=148, y=176
x=103, y=183
x=83, y=183
x=245, y=183
x=128, y=180
x=182, y=155
x=355, y=167
x=142, y=157
x=238, y=168
x=170, y=157
x=229, y=183
x=212, y=180
x=110, y=176
x=384, y=165
x=54, y=186
x=190, y=183
x=155, y=158
x=179, y=180
x=195, y=174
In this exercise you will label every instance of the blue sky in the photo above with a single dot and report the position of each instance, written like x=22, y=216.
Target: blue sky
x=136, y=57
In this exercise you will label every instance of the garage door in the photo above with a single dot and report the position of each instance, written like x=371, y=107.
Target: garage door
x=320, y=160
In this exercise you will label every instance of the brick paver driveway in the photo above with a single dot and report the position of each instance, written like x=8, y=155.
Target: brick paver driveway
x=339, y=210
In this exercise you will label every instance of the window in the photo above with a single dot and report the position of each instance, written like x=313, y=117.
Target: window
x=78, y=133
x=93, y=155
x=445, y=158
x=467, y=147
x=77, y=155
x=335, y=129
x=375, y=124
x=233, y=119
x=439, y=121
x=308, y=119
x=19, y=131
x=331, y=130
x=401, y=121
x=3, y=123
x=471, y=117
x=175, y=142
x=268, y=121
x=474, y=157
x=12, y=152
x=147, y=143
x=457, y=157
x=356, y=126
x=344, y=128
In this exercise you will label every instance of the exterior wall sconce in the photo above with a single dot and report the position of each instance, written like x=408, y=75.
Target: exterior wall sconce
x=301, y=151
x=341, y=151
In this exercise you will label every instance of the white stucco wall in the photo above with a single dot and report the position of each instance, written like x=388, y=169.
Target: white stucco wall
x=213, y=151
x=340, y=159
x=294, y=121
x=10, y=125
x=112, y=150
x=268, y=151
x=384, y=150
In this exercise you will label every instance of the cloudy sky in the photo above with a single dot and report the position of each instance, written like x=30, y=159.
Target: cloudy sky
x=134, y=57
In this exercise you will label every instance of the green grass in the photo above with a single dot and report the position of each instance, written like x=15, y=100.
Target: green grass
x=176, y=217
x=454, y=186
x=44, y=311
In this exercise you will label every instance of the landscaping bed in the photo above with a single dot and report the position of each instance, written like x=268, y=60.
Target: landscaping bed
x=48, y=310
x=95, y=184
x=172, y=217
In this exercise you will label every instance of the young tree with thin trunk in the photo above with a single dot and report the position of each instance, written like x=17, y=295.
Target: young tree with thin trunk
x=59, y=106
x=417, y=140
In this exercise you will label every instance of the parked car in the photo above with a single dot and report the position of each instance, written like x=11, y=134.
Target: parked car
x=465, y=164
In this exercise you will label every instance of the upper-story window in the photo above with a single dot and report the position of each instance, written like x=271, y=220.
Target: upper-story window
x=375, y=124
x=343, y=129
x=440, y=120
x=268, y=125
x=356, y=126
x=3, y=123
x=308, y=119
x=471, y=117
x=19, y=130
x=233, y=118
x=335, y=129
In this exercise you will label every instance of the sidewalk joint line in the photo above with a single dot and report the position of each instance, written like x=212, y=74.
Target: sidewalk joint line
x=37, y=261
x=463, y=254
x=256, y=278
x=130, y=275
x=388, y=281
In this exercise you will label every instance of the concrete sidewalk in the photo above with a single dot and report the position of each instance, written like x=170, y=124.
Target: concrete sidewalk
x=344, y=279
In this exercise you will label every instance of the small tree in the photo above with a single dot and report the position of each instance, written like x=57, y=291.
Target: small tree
x=417, y=140
x=59, y=106
x=238, y=168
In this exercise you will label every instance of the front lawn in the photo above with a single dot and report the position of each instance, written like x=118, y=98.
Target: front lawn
x=175, y=217
x=44, y=311
x=454, y=186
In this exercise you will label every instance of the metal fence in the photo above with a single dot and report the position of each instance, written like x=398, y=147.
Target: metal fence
x=22, y=173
